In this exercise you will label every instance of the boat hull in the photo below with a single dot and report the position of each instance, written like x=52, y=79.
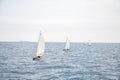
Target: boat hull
x=36, y=58
x=65, y=49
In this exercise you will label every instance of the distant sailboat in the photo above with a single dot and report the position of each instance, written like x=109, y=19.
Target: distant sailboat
x=89, y=43
x=40, y=48
x=67, y=45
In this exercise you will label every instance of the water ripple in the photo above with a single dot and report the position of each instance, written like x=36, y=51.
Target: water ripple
x=100, y=61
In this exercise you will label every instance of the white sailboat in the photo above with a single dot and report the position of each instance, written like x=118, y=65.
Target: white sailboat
x=67, y=45
x=89, y=43
x=40, y=48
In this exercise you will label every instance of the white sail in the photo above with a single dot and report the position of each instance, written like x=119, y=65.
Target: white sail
x=41, y=45
x=67, y=46
x=89, y=43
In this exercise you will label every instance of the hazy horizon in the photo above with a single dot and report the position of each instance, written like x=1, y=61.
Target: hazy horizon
x=80, y=20
x=86, y=42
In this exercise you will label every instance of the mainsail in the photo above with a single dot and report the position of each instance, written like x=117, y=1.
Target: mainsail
x=41, y=45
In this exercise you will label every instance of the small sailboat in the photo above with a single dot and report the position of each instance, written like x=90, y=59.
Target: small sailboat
x=40, y=47
x=89, y=43
x=67, y=45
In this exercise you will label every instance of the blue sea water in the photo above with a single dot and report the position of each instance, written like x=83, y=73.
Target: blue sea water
x=100, y=61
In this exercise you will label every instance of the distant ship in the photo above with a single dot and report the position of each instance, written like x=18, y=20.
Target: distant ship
x=40, y=48
x=67, y=45
x=89, y=43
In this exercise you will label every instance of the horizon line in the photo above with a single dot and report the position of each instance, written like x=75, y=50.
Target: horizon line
x=70, y=42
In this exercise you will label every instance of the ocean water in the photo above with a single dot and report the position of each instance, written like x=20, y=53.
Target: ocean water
x=100, y=61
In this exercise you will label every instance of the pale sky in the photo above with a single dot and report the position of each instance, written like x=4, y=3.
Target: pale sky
x=80, y=20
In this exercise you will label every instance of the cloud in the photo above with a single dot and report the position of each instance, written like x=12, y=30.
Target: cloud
x=38, y=21
x=96, y=19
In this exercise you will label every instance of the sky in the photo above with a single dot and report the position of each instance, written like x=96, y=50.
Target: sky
x=80, y=20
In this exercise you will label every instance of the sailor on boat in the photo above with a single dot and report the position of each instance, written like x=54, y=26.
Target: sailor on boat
x=37, y=57
x=65, y=49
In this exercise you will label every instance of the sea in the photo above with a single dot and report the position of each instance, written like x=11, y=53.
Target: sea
x=98, y=61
